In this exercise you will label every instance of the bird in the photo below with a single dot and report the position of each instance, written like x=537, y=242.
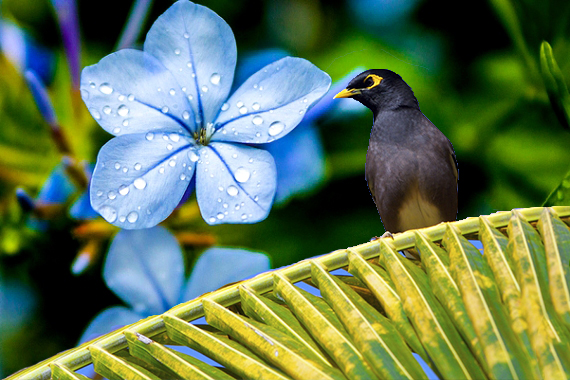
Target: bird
x=411, y=168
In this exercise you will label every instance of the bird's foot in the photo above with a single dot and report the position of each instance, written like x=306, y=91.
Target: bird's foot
x=385, y=234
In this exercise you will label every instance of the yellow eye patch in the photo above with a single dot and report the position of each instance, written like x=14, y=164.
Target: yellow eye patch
x=375, y=80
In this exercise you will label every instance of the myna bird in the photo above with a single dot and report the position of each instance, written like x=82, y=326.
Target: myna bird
x=411, y=168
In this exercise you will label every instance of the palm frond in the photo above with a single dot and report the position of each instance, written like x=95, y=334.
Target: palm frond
x=501, y=314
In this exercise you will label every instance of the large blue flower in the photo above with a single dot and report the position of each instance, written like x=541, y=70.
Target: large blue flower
x=169, y=108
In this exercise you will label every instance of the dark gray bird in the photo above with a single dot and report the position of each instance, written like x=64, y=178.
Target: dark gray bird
x=411, y=168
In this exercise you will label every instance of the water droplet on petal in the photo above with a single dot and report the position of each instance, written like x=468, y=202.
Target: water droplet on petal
x=232, y=191
x=117, y=165
x=276, y=128
x=161, y=170
x=111, y=195
x=105, y=88
x=257, y=120
x=243, y=216
x=123, y=190
x=164, y=109
x=95, y=113
x=138, y=166
x=169, y=146
x=204, y=88
x=215, y=79
x=193, y=156
x=123, y=110
x=255, y=106
x=139, y=183
x=172, y=92
x=177, y=51
x=107, y=110
x=131, y=97
x=109, y=213
x=239, y=104
x=99, y=193
x=116, y=130
x=212, y=219
x=125, y=123
x=182, y=177
x=121, y=98
x=220, y=216
x=149, y=136
x=186, y=115
x=172, y=163
x=186, y=35
x=243, y=110
x=174, y=137
x=242, y=174
x=132, y=217
x=91, y=84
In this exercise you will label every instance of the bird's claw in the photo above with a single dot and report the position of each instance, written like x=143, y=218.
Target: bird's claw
x=385, y=234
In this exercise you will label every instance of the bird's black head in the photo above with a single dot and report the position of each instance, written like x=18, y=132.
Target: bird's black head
x=380, y=90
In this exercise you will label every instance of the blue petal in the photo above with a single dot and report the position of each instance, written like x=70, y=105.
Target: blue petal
x=234, y=183
x=145, y=268
x=271, y=102
x=81, y=209
x=300, y=161
x=220, y=266
x=132, y=92
x=57, y=188
x=329, y=104
x=139, y=179
x=109, y=320
x=199, y=48
x=253, y=62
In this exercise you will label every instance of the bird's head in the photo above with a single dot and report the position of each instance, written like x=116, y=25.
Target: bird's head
x=379, y=90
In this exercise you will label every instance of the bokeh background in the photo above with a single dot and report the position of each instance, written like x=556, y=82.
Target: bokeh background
x=474, y=67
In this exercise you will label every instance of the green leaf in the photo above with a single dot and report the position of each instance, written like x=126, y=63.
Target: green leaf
x=374, y=335
x=555, y=85
x=114, y=367
x=560, y=196
x=329, y=333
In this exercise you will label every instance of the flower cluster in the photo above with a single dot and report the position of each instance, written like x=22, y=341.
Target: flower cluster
x=176, y=128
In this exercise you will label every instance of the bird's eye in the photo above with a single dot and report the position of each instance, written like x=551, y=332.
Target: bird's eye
x=368, y=82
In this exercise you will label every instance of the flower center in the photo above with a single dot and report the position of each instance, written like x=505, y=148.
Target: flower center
x=204, y=134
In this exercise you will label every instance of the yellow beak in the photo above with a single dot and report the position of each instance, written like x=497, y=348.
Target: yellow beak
x=346, y=93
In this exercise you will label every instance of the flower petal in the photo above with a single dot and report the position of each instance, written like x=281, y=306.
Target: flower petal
x=300, y=161
x=217, y=267
x=145, y=268
x=140, y=178
x=234, y=183
x=132, y=92
x=109, y=320
x=271, y=102
x=199, y=48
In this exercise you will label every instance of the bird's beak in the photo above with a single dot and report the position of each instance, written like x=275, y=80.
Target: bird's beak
x=347, y=93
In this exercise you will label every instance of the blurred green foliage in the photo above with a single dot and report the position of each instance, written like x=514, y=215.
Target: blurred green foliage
x=476, y=69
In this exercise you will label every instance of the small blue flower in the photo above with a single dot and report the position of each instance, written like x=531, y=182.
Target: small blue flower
x=169, y=108
x=145, y=268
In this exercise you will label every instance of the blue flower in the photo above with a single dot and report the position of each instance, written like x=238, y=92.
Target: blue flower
x=145, y=268
x=176, y=127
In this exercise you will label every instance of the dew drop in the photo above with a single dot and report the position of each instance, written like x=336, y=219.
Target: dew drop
x=186, y=115
x=107, y=110
x=189, y=64
x=177, y=51
x=121, y=98
x=232, y=191
x=164, y=109
x=161, y=170
x=182, y=177
x=132, y=217
x=204, y=88
x=255, y=106
x=122, y=218
x=174, y=137
x=225, y=106
x=123, y=110
x=105, y=88
x=276, y=128
x=172, y=92
x=242, y=174
x=212, y=220
x=243, y=216
x=125, y=123
x=99, y=193
x=149, y=136
x=172, y=163
x=186, y=35
x=123, y=190
x=257, y=120
x=239, y=104
x=131, y=97
x=116, y=130
x=109, y=213
x=243, y=110
x=169, y=146
x=138, y=166
x=91, y=84
x=125, y=169
x=111, y=195
x=139, y=183
x=215, y=79
x=117, y=165
x=193, y=156
x=220, y=216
